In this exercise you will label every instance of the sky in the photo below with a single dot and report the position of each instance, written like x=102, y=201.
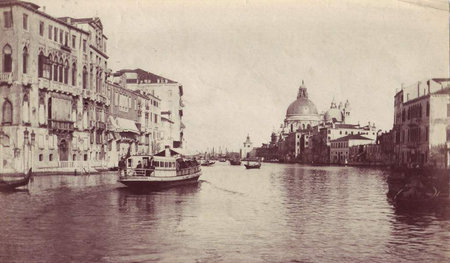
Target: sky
x=241, y=62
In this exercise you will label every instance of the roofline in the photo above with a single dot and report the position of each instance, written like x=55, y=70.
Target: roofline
x=24, y=5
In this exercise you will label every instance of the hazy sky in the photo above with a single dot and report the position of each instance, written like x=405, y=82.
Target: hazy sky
x=241, y=62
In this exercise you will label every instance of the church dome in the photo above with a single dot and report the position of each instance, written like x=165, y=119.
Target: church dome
x=302, y=105
x=333, y=115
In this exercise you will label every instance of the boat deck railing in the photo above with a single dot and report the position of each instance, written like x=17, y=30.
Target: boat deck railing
x=188, y=170
x=137, y=172
x=140, y=172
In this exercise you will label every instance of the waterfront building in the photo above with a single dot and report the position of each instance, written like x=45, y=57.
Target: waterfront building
x=306, y=135
x=170, y=104
x=52, y=88
x=380, y=153
x=339, y=148
x=133, y=123
x=247, y=148
x=421, y=124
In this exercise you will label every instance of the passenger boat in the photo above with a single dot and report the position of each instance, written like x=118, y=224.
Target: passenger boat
x=10, y=182
x=249, y=165
x=235, y=161
x=162, y=170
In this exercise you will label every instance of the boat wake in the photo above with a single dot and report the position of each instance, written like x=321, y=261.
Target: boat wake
x=222, y=189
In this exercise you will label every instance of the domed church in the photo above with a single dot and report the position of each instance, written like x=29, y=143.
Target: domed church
x=301, y=114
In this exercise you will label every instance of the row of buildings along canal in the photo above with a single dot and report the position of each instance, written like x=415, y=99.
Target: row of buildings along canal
x=418, y=141
x=63, y=108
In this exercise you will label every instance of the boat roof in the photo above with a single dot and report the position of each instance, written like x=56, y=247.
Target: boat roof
x=163, y=153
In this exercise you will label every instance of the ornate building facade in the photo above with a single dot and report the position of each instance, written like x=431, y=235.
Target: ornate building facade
x=53, y=97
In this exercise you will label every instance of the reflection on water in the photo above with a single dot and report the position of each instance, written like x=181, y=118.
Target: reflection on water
x=280, y=213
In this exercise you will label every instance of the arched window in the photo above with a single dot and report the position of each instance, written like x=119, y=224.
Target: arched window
x=41, y=111
x=25, y=60
x=91, y=78
x=7, y=58
x=50, y=67
x=41, y=61
x=26, y=109
x=66, y=72
x=7, y=112
x=74, y=74
x=85, y=75
x=61, y=74
x=49, y=108
x=55, y=69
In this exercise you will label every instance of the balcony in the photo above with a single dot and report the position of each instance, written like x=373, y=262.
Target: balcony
x=60, y=125
x=6, y=78
x=44, y=83
x=101, y=98
x=92, y=124
x=86, y=94
x=66, y=48
x=101, y=125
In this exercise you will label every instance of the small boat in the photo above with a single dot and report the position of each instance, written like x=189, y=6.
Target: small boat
x=9, y=182
x=222, y=160
x=235, y=162
x=162, y=170
x=416, y=193
x=248, y=165
x=207, y=163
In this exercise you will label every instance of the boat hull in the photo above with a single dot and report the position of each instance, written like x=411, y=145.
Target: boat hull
x=155, y=182
x=14, y=183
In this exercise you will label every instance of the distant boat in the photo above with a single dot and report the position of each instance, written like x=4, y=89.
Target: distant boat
x=162, y=170
x=222, y=160
x=235, y=161
x=207, y=163
x=9, y=182
x=248, y=165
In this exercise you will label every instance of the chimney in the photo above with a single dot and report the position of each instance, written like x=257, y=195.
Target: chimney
x=167, y=151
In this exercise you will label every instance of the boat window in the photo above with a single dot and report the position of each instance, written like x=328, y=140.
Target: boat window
x=129, y=162
x=156, y=163
x=166, y=165
x=145, y=161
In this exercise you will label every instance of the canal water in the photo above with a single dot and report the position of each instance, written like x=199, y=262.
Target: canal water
x=280, y=213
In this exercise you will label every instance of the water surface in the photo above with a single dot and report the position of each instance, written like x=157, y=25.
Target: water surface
x=280, y=213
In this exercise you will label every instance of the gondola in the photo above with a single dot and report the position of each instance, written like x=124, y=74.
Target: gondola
x=13, y=182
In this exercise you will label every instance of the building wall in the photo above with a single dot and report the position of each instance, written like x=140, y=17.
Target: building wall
x=421, y=121
x=45, y=89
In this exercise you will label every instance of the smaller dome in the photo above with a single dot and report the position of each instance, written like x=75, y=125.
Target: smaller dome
x=333, y=115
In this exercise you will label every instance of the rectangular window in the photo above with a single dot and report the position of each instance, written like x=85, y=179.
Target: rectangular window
x=74, y=40
x=66, y=39
x=61, y=36
x=25, y=21
x=50, y=31
x=41, y=28
x=7, y=18
x=55, y=34
x=448, y=110
x=84, y=45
